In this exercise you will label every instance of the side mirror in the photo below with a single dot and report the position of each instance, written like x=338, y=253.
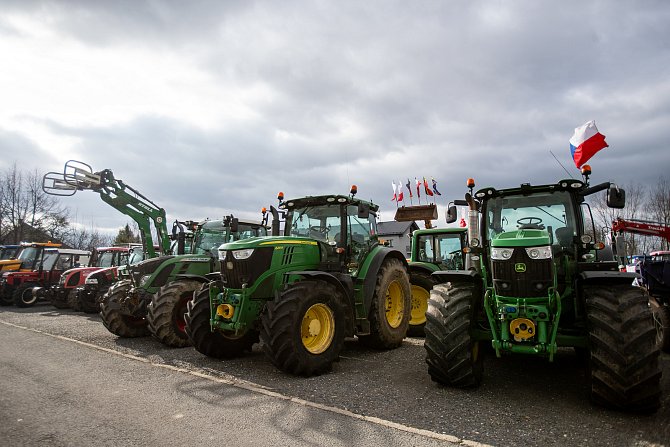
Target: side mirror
x=616, y=197
x=363, y=211
x=452, y=214
x=234, y=225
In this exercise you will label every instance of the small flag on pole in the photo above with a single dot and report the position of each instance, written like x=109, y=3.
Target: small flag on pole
x=395, y=194
x=435, y=187
x=425, y=185
x=418, y=191
x=400, y=194
x=409, y=188
x=586, y=142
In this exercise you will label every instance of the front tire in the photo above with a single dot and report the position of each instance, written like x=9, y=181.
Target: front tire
x=166, y=312
x=624, y=366
x=391, y=307
x=23, y=295
x=216, y=344
x=421, y=285
x=73, y=300
x=115, y=321
x=453, y=357
x=303, y=330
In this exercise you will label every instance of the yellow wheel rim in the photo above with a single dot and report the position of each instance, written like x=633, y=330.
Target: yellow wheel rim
x=318, y=328
x=394, y=304
x=419, y=305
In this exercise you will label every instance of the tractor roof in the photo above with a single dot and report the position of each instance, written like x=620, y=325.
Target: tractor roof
x=41, y=244
x=325, y=200
x=527, y=188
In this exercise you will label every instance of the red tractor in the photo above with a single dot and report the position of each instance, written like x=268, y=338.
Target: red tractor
x=49, y=265
x=64, y=294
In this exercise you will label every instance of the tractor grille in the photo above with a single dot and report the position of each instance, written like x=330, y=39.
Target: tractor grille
x=509, y=280
x=245, y=271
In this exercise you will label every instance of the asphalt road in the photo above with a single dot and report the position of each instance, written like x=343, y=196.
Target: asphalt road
x=65, y=380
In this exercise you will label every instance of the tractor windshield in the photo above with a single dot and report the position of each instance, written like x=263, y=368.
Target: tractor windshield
x=49, y=260
x=442, y=249
x=106, y=259
x=207, y=241
x=316, y=222
x=136, y=255
x=542, y=210
x=28, y=256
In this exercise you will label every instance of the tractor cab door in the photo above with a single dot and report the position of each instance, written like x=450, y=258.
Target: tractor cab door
x=360, y=235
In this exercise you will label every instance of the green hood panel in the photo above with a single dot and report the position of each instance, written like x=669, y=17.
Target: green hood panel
x=522, y=238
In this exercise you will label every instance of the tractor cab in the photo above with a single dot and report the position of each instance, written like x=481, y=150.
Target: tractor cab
x=344, y=228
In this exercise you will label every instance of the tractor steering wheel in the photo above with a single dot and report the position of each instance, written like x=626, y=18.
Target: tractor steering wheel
x=530, y=223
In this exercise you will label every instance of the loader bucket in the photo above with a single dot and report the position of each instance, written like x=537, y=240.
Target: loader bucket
x=417, y=212
x=54, y=183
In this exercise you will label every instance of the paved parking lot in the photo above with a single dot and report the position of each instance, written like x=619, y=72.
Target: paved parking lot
x=523, y=401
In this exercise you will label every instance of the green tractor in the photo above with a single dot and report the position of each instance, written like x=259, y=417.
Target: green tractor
x=302, y=293
x=432, y=250
x=540, y=282
x=152, y=300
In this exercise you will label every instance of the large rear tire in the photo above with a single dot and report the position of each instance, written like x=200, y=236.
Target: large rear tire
x=115, y=321
x=453, y=357
x=166, y=312
x=23, y=295
x=421, y=285
x=624, y=365
x=661, y=314
x=391, y=307
x=303, y=330
x=216, y=344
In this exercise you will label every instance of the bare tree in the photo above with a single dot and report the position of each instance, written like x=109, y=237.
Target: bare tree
x=24, y=205
x=659, y=207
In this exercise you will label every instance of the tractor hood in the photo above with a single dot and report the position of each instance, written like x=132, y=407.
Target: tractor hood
x=522, y=238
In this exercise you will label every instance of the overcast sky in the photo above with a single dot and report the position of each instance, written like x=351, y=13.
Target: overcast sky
x=212, y=107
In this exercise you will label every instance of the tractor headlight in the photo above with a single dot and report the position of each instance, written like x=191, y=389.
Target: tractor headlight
x=539, y=252
x=242, y=254
x=91, y=280
x=144, y=279
x=501, y=254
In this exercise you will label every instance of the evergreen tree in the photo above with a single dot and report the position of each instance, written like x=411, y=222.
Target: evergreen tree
x=126, y=236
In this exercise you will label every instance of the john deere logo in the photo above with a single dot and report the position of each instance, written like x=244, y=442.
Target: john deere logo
x=520, y=267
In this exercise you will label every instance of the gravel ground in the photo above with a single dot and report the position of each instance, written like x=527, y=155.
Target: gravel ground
x=528, y=402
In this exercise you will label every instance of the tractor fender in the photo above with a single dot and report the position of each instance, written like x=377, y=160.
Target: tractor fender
x=443, y=276
x=343, y=283
x=199, y=278
x=370, y=282
x=591, y=277
x=421, y=267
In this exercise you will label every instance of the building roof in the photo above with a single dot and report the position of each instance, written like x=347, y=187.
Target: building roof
x=392, y=227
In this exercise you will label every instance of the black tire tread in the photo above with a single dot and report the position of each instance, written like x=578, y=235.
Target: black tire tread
x=624, y=357
x=116, y=322
x=282, y=346
x=448, y=341
x=161, y=312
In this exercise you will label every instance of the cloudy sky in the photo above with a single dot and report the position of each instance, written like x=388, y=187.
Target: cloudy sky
x=212, y=107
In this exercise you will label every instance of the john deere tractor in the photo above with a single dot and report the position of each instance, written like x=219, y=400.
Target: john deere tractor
x=302, y=293
x=541, y=282
x=152, y=300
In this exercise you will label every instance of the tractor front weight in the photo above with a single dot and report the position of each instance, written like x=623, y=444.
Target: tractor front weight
x=523, y=325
